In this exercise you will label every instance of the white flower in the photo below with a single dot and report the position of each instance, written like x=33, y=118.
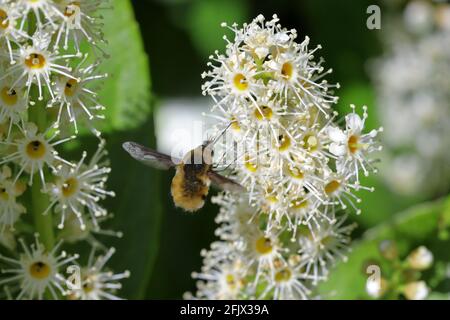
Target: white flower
x=289, y=282
x=34, y=152
x=262, y=251
x=322, y=246
x=96, y=282
x=296, y=76
x=338, y=190
x=76, y=96
x=79, y=22
x=40, y=8
x=36, y=64
x=234, y=78
x=352, y=146
x=81, y=186
x=36, y=271
x=224, y=280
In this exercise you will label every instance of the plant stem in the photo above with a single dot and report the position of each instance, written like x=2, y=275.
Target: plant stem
x=43, y=223
x=39, y=200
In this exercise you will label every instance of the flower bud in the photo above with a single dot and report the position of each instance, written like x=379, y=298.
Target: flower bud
x=420, y=259
x=416, y=290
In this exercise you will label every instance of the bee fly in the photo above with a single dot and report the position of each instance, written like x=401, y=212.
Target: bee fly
x=193, y=176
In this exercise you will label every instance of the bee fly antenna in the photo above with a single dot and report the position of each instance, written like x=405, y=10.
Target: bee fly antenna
x=213, y=142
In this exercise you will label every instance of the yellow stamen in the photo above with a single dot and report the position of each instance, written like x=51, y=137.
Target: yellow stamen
x=70, y=9
x=295, y=173
x=332, y=186
x=287, y=70
x=71, y=87
x=4, y=194
x=283, y=275
x=240, y=82
x=263, y=246
x=326, y=241
x=36, y=150
x=70, y=187
x=284, y=142
x=231, y=281
x=235, y=124
x=40, y=270
x=4, y=20
x=35, y=61
x=249, y=165
x=263, y=112
x=353, y=144
x=299, y=203
x=9, y=96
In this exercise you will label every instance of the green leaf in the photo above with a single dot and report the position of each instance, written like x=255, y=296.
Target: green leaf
x=212, y=13
x=126, y=92
x=138, y=209
x=416, y=226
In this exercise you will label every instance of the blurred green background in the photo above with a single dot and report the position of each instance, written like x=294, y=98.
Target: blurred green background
x=172, y=39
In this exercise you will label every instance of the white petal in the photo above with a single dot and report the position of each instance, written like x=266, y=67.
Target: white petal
x=261, y=52
x=336, y=135
x=338, y=149
x=282, y=37
x=272, y=65
x=354, y=123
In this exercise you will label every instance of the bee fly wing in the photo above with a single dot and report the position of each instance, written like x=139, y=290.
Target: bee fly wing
x=225, y=183
x=148, y=156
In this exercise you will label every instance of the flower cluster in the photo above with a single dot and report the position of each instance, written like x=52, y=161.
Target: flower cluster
x=413, y=96
x=299, y=166
x=400, y=277
x=48, y=90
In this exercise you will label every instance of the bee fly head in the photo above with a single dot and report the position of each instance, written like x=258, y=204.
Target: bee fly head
x=201, y=155
x=207, y=148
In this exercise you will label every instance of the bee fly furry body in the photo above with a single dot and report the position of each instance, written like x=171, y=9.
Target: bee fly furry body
x=193, y=176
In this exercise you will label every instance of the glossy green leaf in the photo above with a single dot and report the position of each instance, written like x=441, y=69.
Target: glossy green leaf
x=137, y=208
x=212, y=13
x=126, y=93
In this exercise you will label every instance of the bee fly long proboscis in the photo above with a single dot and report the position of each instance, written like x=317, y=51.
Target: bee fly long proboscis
x=194, y=173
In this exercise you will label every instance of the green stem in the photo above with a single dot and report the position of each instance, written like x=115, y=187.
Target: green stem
x=43, y=222
x=39, y=200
